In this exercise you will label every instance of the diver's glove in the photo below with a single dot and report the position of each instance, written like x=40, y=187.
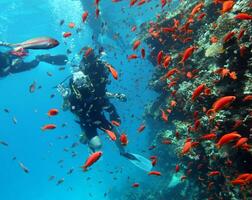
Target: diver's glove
x=121, y=97
x=65, y=92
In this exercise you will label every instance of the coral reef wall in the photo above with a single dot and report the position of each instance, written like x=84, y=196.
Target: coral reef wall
x=202, y=120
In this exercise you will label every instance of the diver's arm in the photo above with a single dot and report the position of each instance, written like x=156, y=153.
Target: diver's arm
x=54, y=60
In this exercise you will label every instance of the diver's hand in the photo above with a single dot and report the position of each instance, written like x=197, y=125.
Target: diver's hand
x=121, y=97
x=63, y=91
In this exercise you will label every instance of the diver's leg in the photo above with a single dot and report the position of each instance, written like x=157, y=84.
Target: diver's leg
x=24, y=66
x=54, y=60
x=92, y=138
x=108, y=126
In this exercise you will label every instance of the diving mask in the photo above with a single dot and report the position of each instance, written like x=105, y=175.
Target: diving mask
x=81, y=80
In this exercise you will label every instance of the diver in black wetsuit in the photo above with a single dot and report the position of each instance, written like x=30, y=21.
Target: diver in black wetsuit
x=11, y=64
x=88, y=99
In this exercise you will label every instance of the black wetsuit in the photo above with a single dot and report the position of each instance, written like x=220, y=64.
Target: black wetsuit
x=11, y=64
x=90, y=106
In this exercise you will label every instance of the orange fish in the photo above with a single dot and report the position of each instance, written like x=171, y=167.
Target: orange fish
x=227, y=6
x=227, y=138
x=247, y=98
x=112, y=71
x=198, y=91
x=173, y=103
x=111, y=134
x=164, y=115
x=221, y=103
x=156, y=173
x=52, y=112
x=197, y=8
x=91, y=160
x=167, y=61
x=48, y=127
x=88, y=51
x=187, y=147
x=213, y=39
x=124, y=139
x=136, y=44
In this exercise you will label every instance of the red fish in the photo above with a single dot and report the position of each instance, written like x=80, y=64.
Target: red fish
x=198, y=91
x=156, y=173
x=160, y=57
x=132, y=2
x=187, y=53
x=115, y=123
x=143, y=53
x=187, y=147
x=141, y=128
x=163, y=3
x=227, y=138
x=243, y=16
x=240, y=142
x=71, y=25
x=214, y=173
x=88, y=52
x=209, y=136
x=97, y=12
x=136, y=44
x=220, y=104
x=132, y=56
x=124, y=139
x=164, y=115
x=48, y=127
x=177, y=168
x=52, y=112
x=228, y=36
x=84, y=16
x=197, y=8
x=135, y=185
x=91, y=160
x=67, y=34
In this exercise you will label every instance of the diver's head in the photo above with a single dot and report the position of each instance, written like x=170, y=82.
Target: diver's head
x=82, y=81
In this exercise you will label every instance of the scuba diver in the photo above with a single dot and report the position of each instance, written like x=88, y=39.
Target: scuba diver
x=11, y=64
x=12, y=61
x=87, y=97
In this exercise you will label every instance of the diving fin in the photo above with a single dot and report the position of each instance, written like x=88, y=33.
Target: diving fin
x=139, y=161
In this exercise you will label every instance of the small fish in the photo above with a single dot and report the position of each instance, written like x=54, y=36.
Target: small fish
x=91, y=160
x=177, y=168
x=124, y=139
x=198, y=91
x=187, y=53
x=52, y=112
x=3, y=143
x=132, y=56
x=84, y=16
x=227, y=138
x=51, y=178
x=243, y=16
x=143, y=53
x=115, y=123
x=135, y=185
x=48, y=127
x=111, y=134
x=71, y=25
x=67, y=34
x=60, y=181
x=25, y=169
x=136, y=44
x=141, y=128
x=112, y=71
x=156, y=173
x=32, y=87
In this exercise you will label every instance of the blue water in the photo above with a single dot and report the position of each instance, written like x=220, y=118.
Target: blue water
x=40, y=151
